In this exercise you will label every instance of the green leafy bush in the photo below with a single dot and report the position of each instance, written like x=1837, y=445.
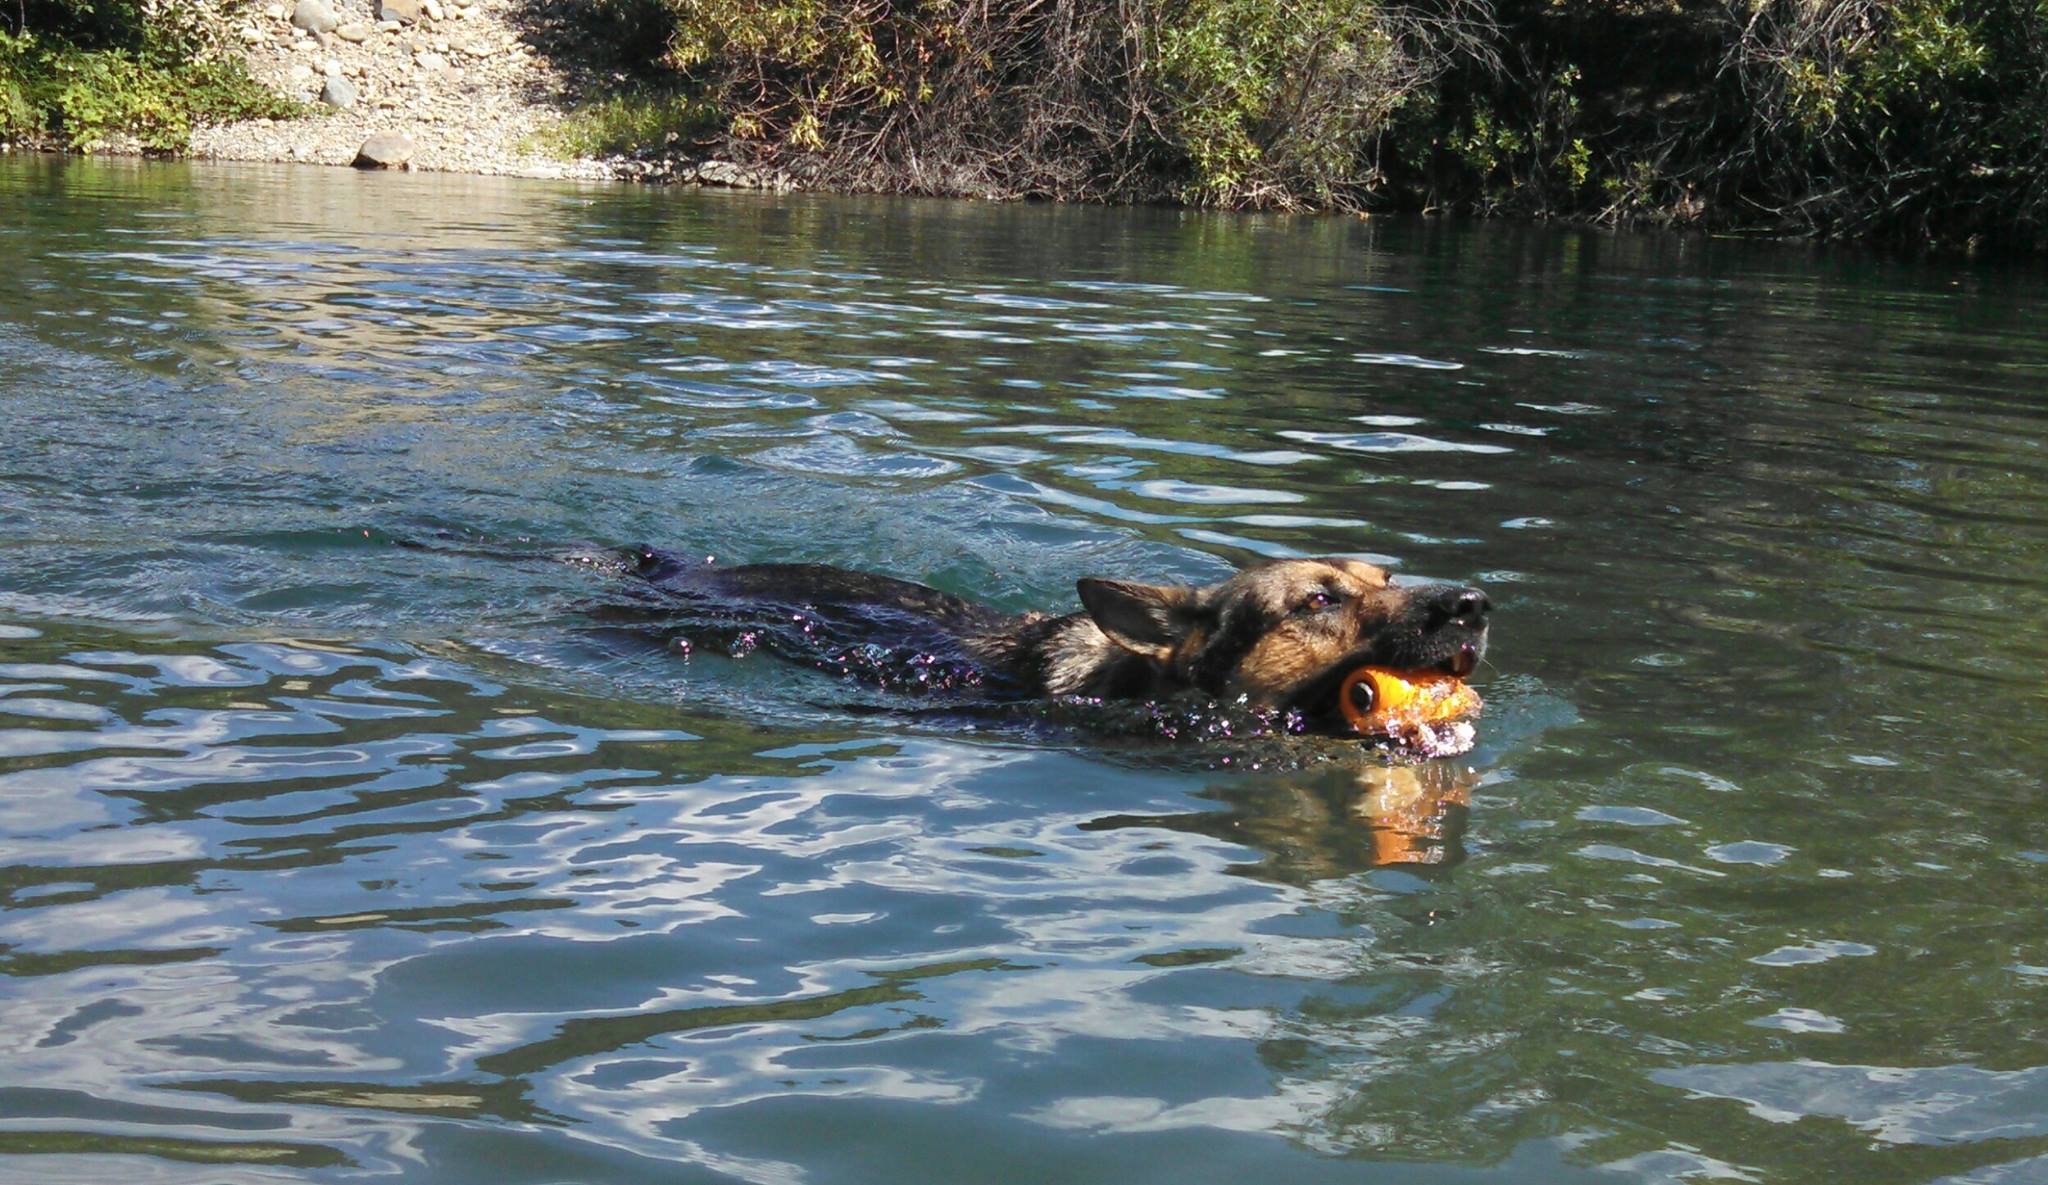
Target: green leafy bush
x=1275, y=104
x=80, y=71
x=1923, y=119
x=1222, y=102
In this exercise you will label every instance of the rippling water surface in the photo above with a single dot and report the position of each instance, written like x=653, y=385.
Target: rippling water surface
x=327, y=859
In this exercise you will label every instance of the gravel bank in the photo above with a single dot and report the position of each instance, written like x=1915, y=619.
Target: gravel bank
x=457, y=78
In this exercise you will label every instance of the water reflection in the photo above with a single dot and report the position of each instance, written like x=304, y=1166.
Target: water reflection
x=1334, y=820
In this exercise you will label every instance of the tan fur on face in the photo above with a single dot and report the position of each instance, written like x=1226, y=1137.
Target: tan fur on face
x=1301, y=645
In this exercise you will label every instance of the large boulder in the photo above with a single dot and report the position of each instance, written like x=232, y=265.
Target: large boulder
x=385, y=150
x=314, y=16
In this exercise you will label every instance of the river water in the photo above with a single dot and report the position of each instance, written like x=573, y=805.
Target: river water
x=324, y=858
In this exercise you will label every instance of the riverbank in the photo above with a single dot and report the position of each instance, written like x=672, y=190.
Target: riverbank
x=1923, y=122
x=461, y=86
x=461, y=80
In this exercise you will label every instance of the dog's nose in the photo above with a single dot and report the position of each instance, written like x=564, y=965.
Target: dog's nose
x=1466, y=606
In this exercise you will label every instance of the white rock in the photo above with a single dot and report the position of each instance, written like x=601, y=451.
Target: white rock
x=354, y=32
x=339, y=93
x=331, y=68
x=432, y=8
x=314, y=16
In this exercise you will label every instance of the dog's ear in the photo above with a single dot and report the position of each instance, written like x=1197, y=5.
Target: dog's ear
x=1145, y=619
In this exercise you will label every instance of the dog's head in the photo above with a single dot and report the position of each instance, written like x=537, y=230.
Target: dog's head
x=1284, y=634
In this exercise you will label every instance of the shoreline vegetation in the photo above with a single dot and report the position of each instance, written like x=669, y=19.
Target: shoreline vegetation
x=1908, y=121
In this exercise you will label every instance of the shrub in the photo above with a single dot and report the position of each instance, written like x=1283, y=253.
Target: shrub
x=1223, y=102
x=1925, y=119
x=79, y=71
x=1274, y=104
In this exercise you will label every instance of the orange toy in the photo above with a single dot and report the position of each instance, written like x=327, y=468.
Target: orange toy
x=1382, y=702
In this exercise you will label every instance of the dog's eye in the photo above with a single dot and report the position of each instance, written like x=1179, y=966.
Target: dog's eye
x=1318, y=601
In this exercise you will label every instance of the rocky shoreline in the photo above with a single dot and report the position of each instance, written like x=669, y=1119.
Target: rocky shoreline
x=440, y=85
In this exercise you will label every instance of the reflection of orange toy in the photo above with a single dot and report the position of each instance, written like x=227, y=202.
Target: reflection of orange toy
x=1408, y=810
x=1382, y=702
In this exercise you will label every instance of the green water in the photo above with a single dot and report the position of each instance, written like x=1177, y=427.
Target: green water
x=326, y=859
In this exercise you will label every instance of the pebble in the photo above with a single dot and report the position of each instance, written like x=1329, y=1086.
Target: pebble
x=355, y=33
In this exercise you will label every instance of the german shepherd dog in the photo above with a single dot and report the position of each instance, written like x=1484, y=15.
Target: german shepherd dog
x=1280, y=635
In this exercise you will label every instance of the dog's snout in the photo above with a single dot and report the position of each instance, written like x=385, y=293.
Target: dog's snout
x=1465, y=606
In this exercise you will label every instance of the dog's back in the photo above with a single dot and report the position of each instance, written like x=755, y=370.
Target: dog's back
x=838, y=613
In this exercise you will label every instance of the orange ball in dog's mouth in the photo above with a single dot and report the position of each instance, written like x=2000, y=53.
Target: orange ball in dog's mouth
x=1379, y=701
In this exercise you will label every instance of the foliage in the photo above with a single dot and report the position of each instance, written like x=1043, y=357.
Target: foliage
x=1224, y=102
x=1274, y=103
x=78, y=71
x=1924, y=119
x=1911, y=118
x=628, y=124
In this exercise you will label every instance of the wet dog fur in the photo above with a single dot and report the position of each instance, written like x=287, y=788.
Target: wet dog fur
x=1279, y=635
